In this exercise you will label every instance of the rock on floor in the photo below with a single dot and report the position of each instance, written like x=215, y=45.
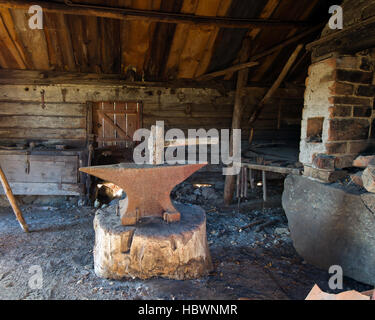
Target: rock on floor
x=331, y=226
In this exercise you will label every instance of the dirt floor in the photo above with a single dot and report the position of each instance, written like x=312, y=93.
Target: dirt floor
x=258, y=262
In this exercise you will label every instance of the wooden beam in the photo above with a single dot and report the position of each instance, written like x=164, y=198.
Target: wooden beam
x=242, y=79
x=263, y=54
x=351, y=39
x=216, y=74
x=276, y=85
x=151, y=16
x=270, y=168
x=35, y=77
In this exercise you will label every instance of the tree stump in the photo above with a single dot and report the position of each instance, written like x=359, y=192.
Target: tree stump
x=152, y=248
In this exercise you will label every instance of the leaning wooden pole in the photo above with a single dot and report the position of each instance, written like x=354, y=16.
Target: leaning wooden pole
x=13, y=201
x=258, y=109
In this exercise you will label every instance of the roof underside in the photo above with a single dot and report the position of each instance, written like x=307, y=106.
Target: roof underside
x=156, y=51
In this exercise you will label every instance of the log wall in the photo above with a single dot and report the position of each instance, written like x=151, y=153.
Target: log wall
x=62, y=118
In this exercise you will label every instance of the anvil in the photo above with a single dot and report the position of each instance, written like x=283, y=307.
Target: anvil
x=148, y=188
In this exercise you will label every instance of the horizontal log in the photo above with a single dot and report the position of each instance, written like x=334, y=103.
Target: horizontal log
x=45, y=189
x=32, y=77
x=42, y=122
x=35, y=109
x=182, y=114
x=42, y=134
x=69, y=94
x=151, y=16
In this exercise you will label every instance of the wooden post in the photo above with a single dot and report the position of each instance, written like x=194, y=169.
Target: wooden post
x=236, y=124
x=264, y=182
x=13, y=201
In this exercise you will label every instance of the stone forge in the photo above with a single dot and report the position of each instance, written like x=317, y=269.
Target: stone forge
x=154, y=237
x=333, y=225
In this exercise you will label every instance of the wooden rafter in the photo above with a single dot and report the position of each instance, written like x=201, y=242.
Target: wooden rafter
x=263, y=54
x=151, y=16
x=255, y=113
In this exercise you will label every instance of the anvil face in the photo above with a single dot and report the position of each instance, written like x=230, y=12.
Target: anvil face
x=148, y=188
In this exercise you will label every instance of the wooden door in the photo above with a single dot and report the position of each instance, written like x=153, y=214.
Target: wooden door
x=114, y=123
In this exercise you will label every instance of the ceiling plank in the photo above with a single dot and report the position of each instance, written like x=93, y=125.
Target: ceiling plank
x=179, y=40
x=266, y=13
x=7, y=35
x=65, y=43
x=136, y=39
x=207, y=53
x=197, y=39
x=34, y=41
x=151, y=15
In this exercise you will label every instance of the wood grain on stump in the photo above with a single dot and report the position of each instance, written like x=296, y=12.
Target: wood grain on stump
x=152, y=248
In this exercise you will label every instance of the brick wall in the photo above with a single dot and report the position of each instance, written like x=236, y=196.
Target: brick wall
x=338, y=117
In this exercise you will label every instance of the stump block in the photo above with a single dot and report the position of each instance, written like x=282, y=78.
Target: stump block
x=152, y=248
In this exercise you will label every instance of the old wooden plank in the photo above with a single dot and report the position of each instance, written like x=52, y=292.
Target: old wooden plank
x=40, y=189
x=269, y=168
x=35, y=168
x=34, y=122
x=35, y=109
x=42, y=134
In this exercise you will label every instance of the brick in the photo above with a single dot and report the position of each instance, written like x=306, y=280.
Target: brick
x=340, y=111
x=336, y=148
x=323, y=161
x=365, y=64
x=340, y=88
x=345, y=161
x=356, y=147
x=354, y=76
x=348, y=129
x=364, y=161
x=348, y=62
x=328, y=176
x=363, y=112
x=366, y=91
x=366, y=102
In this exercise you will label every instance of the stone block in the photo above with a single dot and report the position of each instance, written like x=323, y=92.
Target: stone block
x=323, y=161
x=368, y=178
x=326, y=176
x=331, y=226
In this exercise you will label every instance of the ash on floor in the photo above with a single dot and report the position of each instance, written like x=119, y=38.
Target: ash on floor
x=255, y=261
